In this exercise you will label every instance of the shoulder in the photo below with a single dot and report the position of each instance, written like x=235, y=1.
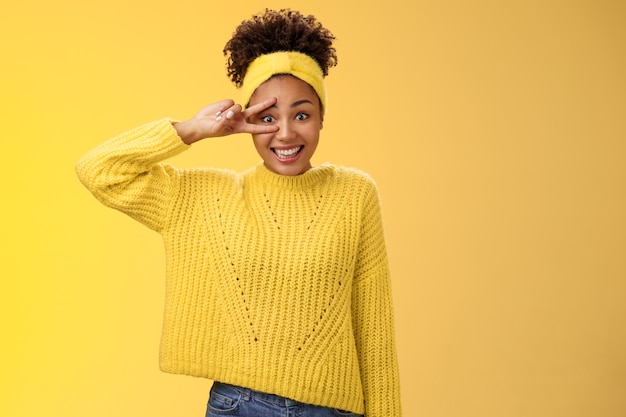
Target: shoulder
x=354, y=184
x=353, y=176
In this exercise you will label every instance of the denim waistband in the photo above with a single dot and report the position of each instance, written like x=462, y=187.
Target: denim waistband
x=248, y=394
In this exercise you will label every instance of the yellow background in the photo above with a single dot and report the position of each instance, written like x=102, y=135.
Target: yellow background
x=496, y=131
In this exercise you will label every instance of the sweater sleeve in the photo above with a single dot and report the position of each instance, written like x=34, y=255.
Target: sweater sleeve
x=373, y=318
x=124, y=173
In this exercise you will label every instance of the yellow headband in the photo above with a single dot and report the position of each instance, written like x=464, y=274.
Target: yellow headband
x=297, y=64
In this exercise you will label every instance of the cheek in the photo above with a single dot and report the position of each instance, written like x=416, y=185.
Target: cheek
x=261, y=141
x=314, y=133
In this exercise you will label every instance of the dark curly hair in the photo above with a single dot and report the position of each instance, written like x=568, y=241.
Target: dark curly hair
x=274, y=31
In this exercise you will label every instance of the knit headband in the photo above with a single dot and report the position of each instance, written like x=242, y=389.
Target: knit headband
x=297, y=64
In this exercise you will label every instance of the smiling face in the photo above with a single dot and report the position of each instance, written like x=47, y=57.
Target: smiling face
x=298, y=115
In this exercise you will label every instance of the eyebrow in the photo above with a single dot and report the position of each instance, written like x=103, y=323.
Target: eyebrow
x=296, y=103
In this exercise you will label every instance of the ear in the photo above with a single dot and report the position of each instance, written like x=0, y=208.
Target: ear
x=322, y=122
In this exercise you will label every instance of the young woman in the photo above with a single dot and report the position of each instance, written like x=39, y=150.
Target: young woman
x=278, y=285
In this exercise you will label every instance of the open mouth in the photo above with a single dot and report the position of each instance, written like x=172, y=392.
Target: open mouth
x=287, y=154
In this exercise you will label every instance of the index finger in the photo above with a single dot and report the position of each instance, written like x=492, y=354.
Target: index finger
x=259, y=107
x=257, y=129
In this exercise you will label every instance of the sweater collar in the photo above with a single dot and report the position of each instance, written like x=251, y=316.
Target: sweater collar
x=310, y=178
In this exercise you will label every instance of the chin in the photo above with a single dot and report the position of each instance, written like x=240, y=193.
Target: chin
x=291, y=170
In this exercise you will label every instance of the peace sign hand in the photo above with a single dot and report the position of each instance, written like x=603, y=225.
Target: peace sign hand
x=223, y=118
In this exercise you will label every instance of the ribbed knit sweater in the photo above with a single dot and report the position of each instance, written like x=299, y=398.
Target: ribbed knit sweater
x=276, y=283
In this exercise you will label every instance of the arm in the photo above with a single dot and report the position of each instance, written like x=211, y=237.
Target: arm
x=125, y=172
x=373, y=318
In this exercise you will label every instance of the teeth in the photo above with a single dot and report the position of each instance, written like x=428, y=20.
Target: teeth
x=286, y=153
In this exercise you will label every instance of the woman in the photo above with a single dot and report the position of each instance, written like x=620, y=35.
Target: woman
x=278, y=285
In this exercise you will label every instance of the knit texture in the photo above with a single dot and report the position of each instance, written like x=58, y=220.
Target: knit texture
x=276, y=283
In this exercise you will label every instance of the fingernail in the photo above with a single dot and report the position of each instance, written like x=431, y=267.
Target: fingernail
x=218, y=118
x=230, y=114
x=218, y=113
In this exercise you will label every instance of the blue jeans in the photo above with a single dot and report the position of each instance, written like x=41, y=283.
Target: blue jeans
x=230, y=400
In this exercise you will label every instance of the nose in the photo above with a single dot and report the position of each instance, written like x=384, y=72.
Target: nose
x=286, y=131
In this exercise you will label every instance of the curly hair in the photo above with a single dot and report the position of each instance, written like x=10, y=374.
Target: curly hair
x=274, y=31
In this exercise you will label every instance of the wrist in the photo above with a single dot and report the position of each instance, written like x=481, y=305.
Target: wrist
x=187, y=132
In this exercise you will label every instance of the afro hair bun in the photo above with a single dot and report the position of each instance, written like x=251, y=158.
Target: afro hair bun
x=274, y=31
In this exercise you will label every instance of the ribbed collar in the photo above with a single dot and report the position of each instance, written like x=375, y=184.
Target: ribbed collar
x=310, y=178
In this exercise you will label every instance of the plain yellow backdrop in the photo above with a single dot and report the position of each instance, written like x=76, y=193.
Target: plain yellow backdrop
x=496, y=131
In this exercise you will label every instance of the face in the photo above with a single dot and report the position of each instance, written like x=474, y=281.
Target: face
x=297, y=113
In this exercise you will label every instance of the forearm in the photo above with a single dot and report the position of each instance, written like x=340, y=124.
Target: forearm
x=375, y=338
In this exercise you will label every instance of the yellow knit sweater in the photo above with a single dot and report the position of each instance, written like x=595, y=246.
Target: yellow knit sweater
x=276, y=283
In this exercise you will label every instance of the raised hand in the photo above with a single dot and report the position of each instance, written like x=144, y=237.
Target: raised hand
x=223, y=118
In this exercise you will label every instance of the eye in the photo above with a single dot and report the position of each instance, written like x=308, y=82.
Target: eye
x=302, y=116
x=267, y=119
